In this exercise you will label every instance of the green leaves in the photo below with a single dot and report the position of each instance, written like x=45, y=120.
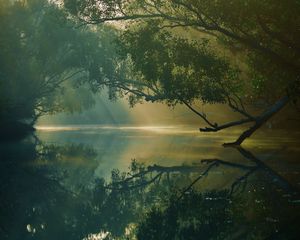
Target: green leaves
x=44, y=58
x=261, y=36
x=180, y=69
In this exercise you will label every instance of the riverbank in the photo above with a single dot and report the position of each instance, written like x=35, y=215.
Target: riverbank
x=11, y=131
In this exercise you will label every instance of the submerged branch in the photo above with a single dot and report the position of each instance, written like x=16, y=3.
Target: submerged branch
x=260, y=120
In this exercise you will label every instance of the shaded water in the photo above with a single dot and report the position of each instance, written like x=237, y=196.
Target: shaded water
x=92, y=182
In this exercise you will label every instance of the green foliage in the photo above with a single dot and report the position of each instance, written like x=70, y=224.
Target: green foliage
x=176, y=69
x=261, y=34
x=89, y=9
x=45, y=60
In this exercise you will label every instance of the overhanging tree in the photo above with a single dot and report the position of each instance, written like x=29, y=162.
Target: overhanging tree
x=264, y=33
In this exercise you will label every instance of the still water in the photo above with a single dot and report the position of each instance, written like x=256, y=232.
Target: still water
x=142, y=182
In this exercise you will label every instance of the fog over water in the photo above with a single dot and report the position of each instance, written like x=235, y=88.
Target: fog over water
x=117, y=145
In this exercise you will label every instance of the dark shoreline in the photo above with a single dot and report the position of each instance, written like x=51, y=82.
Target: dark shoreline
x=14, y=131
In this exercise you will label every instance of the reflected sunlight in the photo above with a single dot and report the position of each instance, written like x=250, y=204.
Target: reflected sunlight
x=97, y=236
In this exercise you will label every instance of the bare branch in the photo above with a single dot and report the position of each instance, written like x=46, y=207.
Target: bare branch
x=217, y=128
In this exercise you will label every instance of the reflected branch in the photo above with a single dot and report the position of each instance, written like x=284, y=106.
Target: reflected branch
x=145, y=176
x=242, y=180
x=213, y=164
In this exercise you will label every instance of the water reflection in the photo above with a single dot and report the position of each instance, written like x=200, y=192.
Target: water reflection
x=34, y=202
x=81, y=185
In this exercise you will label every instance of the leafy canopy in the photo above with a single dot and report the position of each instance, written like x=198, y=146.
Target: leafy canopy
x=173, y=69
x=45, y=59
x=262, y=34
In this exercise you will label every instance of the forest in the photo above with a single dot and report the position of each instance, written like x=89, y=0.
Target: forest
x=149, y=119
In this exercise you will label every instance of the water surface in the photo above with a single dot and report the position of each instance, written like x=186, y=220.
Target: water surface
x=92, y=181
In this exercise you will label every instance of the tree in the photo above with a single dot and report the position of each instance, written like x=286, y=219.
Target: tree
x=43, y=56
x=261, y=34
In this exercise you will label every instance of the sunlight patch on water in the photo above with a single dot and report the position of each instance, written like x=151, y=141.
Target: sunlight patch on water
x=157, y=129
x=57, y=128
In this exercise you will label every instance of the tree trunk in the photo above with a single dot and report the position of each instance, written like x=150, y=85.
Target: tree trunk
x=263, y=118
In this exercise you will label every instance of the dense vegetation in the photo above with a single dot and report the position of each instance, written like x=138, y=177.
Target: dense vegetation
x=45, y=61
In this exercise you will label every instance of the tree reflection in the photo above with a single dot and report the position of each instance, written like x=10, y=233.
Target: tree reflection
x=35, y=204
x=47, y=193
x=258, y=204
x=194, y=216
x=141, y=176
